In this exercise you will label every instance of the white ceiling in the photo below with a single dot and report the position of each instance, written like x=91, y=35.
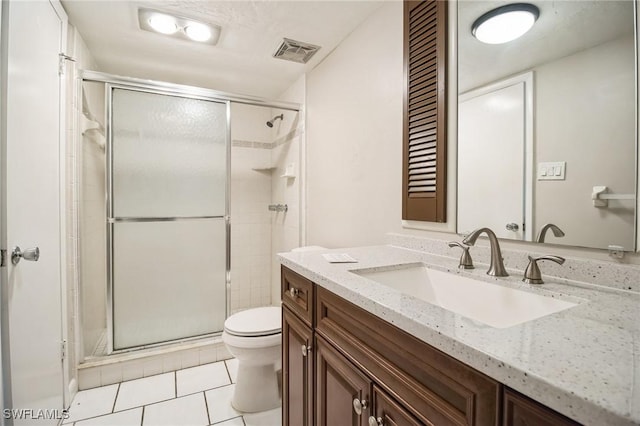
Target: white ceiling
x=563, y=28
x=242, y=60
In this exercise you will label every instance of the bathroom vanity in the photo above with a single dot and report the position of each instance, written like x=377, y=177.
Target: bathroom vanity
x=359, y=353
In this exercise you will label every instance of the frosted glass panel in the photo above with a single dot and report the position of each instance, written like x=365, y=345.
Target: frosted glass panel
x=169, y=280
x=169, y=155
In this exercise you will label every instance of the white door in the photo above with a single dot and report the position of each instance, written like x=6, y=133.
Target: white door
x=491, y=145
x=35, y=35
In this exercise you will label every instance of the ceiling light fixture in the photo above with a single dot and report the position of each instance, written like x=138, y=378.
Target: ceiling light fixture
x=164, y=24
x=179, y=27
x=505, y=23
x=197, y=32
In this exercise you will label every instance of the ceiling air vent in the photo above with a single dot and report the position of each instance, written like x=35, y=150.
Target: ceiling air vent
x=296, y=51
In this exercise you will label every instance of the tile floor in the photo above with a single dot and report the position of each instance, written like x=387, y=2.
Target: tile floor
x=196, y=396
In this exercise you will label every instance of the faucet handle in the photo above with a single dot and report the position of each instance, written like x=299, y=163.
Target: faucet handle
x=465, y=259
x=532, y=274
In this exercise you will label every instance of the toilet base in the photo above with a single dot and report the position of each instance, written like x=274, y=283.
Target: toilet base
x=256, y=388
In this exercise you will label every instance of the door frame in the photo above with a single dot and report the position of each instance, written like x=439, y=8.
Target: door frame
x=527, y=79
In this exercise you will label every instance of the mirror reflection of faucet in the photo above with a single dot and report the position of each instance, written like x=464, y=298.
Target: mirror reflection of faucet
x=557, y=232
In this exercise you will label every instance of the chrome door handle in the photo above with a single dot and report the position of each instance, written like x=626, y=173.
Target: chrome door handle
x=31, y=254
x=512, y=227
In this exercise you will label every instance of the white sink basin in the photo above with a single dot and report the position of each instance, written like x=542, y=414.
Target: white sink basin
x=490, y=304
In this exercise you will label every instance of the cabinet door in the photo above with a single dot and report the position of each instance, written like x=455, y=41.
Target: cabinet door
x=297, y=371
x=522, y=411
x=342, y=391
x=387, y=412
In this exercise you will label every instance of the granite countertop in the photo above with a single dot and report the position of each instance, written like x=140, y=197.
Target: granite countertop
x=583, y=362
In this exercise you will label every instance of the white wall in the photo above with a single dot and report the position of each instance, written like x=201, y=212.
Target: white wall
x=354, y=136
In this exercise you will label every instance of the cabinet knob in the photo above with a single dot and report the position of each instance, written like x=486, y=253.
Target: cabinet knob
x=306, y=349
x=376, y=422
x=294, y=292
x=359, y=405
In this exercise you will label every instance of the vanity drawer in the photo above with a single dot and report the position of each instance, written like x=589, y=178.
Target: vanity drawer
x=297, y=294
x=433, y=387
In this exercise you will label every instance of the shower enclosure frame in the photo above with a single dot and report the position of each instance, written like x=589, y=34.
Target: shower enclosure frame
x=170, y=89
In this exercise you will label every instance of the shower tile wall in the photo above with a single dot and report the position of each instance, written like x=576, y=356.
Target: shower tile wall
x=250, y=197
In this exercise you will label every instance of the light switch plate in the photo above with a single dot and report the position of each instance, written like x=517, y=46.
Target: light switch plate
x=551, y=170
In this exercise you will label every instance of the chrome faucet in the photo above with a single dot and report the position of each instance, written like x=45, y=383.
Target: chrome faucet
x=496, y=268
x=557, y=232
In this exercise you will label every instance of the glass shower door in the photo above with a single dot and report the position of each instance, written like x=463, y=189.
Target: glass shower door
x=167, y=217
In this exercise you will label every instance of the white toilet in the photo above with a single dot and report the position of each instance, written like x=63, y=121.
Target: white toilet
x=253, y=337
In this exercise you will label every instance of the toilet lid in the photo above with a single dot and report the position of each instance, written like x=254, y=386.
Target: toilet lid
x=255, y=322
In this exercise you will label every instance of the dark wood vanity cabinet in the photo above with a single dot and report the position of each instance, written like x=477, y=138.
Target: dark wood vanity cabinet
x=343, y=366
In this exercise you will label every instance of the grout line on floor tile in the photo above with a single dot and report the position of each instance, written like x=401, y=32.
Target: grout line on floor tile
x=206, y=406
x=175, y=383
x=226, y=367
x=142, y=417
x=204, y=390
x=113, y=409
x=226, y=420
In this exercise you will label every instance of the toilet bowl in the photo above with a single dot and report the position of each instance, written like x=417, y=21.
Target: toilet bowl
x=253, y=337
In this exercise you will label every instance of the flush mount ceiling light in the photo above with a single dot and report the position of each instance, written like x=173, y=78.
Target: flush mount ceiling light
x=198, y=32
x=164, y=24
x=179, y=27
x=505, y=23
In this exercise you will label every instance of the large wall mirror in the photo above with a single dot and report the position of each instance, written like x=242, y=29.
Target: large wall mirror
x=547, y=126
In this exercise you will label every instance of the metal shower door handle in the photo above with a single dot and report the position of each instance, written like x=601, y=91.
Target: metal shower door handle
x=31, y=254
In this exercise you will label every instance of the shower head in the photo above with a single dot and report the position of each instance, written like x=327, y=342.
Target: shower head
x=270, y=122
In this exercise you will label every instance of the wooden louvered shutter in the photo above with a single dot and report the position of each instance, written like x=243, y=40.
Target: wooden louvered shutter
x=425, y=104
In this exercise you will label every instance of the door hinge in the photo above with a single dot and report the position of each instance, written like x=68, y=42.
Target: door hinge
x=61, y=64
x=3, y=258
x=63, y=350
